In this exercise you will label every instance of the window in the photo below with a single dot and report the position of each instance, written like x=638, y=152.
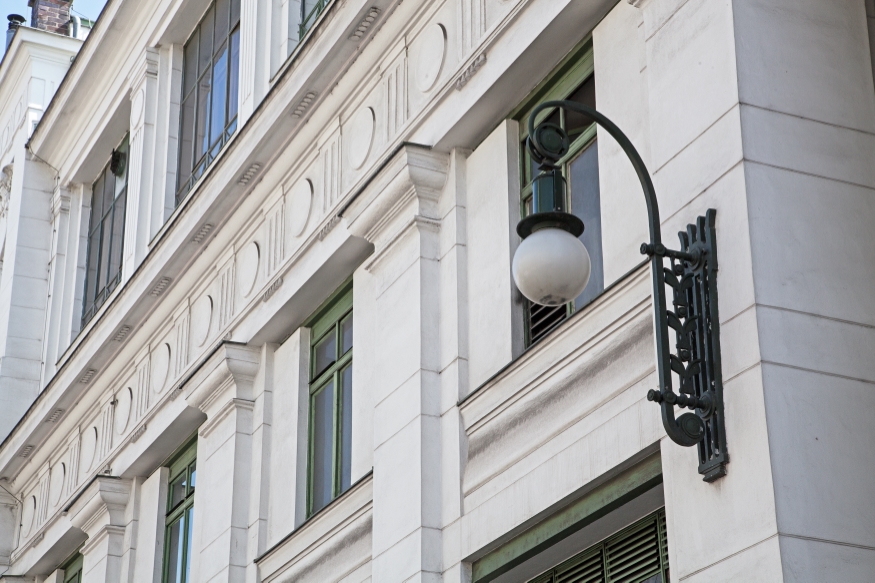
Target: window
x=572, y=80
x=73, y=569
x=638, y=554
x=310, y=11
x=210, y=81
x=330, y=442
x=180, y=514
x=106, y=230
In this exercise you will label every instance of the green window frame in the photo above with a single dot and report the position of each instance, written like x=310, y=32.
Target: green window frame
x=310, y=11
x=636, y=554
x=209, y=100
x=179, y=517
x=330, y=401
x=73, y=569
x=106, y=231
x=573, y=79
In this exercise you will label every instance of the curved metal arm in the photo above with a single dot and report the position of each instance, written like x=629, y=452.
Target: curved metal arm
x=688, y=429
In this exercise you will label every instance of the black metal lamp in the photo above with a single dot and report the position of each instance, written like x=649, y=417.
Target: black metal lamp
x=552, y=267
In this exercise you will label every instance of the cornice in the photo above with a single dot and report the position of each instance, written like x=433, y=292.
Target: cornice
x=106, y=497
x=412, y=180
x=234, y=367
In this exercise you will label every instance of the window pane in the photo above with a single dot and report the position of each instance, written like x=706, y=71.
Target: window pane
x=205, y=57
x=118, y=232
x=323, y=447
x=175, y=544
x=346, y=334
x=189, y=528
x=177, y=489
x=575, y=123
x=108, y=191
x=235, y=12
x=585, y=204
x=190, y=72
x=185, y=140
x=220, y=80
x=193, y=477
x=93, y=262
x=346, y=428
x=203, y=114
x=324, y=353
x=234, y=83
x=223, y=14
x=106, y=240
x=96, y=203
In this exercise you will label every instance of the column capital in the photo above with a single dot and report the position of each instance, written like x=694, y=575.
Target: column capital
x=405, y=190
x=101, y=504
x=231, y=369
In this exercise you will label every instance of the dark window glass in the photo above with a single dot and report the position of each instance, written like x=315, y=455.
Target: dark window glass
x=106, y=229
x=323, y=447
x=583, y=182
x=330, y=457
x=73, y=569
x=209, y=97
x=175, y=546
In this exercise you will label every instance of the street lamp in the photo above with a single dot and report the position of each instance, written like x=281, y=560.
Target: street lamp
x=551, y=267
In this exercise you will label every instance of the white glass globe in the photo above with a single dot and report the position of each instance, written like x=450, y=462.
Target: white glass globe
x=551, y=267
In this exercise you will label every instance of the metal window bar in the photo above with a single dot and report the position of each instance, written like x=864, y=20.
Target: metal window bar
x=307, y=19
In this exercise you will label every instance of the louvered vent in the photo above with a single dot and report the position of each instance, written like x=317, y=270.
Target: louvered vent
x=634, y=556
x=582, y=569
x=542, y=319
x=638, y=554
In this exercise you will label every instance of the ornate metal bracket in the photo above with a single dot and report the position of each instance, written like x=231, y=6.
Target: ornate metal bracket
x=692, y=277
x=696, y=363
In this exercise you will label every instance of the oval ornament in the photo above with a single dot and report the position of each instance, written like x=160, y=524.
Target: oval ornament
x=300, y=203
x=56, y=485
x=27, y=514
x=88, y=449
x=160, y=367
x=201, y=320
x=431, y=51
x=124, y=399
x=247, y=268
x=361, y=135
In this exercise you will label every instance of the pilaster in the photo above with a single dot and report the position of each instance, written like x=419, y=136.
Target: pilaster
x=57, y=279
x=255, y=35
x=141, y=160
x=399, y=213
x=224, y=389
x=100, y=513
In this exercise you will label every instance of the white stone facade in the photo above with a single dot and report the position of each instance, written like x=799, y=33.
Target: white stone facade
x=382, y=149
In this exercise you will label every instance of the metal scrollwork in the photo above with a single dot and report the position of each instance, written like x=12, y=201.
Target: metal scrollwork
x=692, y=277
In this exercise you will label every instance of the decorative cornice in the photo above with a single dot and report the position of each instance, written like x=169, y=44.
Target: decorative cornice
x=233, y=366
x=226, y=410
x=106, y=498
x=411, y=183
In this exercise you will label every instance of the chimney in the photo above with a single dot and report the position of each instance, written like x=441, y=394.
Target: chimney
x=15, y=20
x=50, y=15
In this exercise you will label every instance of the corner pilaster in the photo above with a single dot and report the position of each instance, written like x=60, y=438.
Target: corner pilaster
x=141, y=158
x=399, y=213
x=224, y=389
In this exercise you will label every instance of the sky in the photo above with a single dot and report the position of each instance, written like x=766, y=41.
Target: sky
x=89, y=9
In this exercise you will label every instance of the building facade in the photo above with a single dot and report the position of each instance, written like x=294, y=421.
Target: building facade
x=258, y=320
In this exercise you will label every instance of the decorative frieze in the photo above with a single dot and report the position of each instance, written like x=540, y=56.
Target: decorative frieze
x=395, y=89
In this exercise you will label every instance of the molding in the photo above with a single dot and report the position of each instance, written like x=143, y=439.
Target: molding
x=411, y=181
x=98, y=537
x=106, y=498
x=231, y=366
x=226, y=410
